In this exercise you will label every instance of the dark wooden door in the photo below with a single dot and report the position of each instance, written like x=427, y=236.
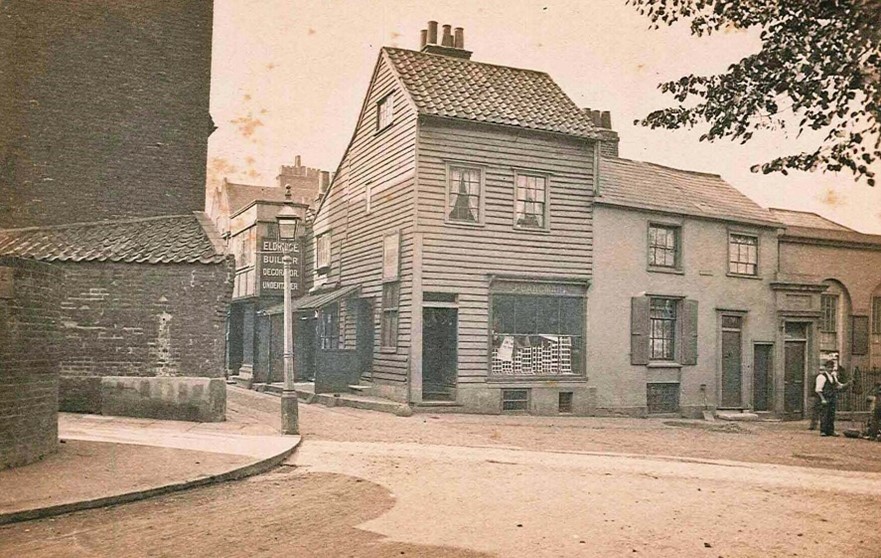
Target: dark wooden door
x=762, y=377
x=732, y=379
x=439, y=353
x=794, y=378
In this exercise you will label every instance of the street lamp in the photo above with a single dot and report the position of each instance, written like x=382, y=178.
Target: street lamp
x=288, y=219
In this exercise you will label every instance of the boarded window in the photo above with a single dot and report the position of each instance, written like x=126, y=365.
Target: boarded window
x=463, y=194
x=829, y=313
x=322, y=252
x=537, y=335
x=743, y=254
x=663, y=246
x=531, y=201
x=859, y=335
x=391, y=256
x=515, y=399
x=662, y=398
x=391, y=295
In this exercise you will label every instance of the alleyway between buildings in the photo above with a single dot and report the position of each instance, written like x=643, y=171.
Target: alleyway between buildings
x=370, y=484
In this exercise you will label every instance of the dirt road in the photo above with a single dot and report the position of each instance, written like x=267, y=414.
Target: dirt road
x=366, y=484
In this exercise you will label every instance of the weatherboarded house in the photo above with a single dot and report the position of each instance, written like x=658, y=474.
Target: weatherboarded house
x=460, y=220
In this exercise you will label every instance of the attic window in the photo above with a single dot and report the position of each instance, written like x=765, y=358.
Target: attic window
x=385, y=109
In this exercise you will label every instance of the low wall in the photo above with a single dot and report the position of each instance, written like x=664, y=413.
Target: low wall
x=168, y=398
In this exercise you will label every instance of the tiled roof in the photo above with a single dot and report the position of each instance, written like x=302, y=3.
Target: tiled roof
x=649, y=186
x=457, y=88
x=172, y=239
x=792, y=218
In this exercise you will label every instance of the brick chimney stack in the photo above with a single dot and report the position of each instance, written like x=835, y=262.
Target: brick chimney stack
x=602, y=119
x=452, y=41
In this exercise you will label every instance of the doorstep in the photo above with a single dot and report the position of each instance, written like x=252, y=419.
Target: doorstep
x=306, y=392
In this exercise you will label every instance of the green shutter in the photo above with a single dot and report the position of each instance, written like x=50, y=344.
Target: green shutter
x=689, y=333
x=639, y=330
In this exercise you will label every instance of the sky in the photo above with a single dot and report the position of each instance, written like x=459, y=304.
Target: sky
x=289, y=77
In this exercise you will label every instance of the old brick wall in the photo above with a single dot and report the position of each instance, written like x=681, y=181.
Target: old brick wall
x=123, y=319
x=104, y=109
x=29, y=319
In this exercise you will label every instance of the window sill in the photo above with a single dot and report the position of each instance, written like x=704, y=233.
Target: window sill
x=743, y=276
x=670, y=270
x=532, y=230
x=388, y=350
x=383, y=129
x=465, y=224
x=663, y=364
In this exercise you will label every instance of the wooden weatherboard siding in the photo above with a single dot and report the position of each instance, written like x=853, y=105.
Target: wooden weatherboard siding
x=460, y=258
x=382, y=163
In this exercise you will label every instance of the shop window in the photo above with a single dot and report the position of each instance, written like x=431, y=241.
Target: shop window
x=664, y=246
x=515, y=400
x=391, y=295
x=743, y=254
x=663, y=329
x=564, y=402
x=385, y=112
x=829, y=313
x=531, y=201
x=328, y=327
x=322, y=253
x=464, y=190
x=537, y=335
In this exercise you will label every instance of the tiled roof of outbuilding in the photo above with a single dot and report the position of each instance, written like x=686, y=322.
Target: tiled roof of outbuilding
x=171, y=239
x=458, y=88
x=649, y=186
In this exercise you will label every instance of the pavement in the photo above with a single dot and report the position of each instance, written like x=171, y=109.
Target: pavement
x=104, y=460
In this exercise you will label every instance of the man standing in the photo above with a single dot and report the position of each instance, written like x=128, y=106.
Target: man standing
x=827, y=387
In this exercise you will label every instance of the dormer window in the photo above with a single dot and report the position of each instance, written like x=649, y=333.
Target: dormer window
x=385, y=110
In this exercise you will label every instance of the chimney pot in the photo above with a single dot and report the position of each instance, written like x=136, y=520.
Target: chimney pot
x=423, y=38
x=459, y=39
x=595, y=116
x=432, y=32
x=606, y=119
x=447, y=40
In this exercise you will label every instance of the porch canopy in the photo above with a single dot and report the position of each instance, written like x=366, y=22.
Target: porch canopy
x=314, y=301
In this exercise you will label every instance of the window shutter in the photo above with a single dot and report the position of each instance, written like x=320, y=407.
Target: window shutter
x=859, y=335
x=639, y=330
x=689, y=333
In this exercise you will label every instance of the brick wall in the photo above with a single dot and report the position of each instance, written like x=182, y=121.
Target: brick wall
x=121, y=319
x=28, y=362
x=104, y=109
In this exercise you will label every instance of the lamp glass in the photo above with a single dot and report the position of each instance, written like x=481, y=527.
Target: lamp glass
x=287, y=228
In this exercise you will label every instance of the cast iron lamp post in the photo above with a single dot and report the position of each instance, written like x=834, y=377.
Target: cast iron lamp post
x=288, y=220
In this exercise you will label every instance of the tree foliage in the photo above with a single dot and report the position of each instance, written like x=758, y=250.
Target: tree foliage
x=819, y=68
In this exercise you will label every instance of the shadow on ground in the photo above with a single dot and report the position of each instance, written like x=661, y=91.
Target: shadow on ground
x=287, y=512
